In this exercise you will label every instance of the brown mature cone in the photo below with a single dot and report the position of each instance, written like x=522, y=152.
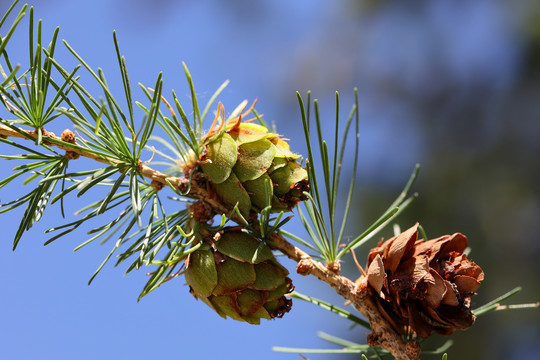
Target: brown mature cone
x=424, y=285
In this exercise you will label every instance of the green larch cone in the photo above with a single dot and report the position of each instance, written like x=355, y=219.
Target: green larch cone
x=238, y=276
x=252, y=167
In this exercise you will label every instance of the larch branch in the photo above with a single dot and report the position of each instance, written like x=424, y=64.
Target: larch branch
x=358, y=293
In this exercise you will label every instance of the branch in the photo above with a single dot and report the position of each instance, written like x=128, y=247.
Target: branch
x=358, y=293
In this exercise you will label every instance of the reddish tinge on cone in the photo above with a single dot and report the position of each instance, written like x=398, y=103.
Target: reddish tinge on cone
x=424, y=285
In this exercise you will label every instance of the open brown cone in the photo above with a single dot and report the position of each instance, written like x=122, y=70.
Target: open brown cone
x=424, y=286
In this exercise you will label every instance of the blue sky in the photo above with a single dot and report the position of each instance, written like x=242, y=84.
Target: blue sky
x=49, y=311
x=268, y=50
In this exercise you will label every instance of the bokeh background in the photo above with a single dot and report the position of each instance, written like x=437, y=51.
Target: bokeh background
x=451, y=84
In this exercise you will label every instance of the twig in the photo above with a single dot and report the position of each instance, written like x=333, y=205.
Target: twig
x=358, y=293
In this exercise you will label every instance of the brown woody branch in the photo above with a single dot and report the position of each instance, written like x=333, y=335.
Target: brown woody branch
x=358, y=293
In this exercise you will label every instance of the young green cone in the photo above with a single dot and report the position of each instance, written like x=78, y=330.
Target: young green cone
x=253, y=168
x=238, y=276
